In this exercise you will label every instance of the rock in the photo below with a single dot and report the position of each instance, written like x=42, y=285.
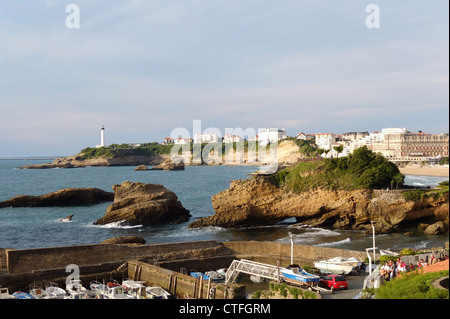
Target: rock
x=124, y=240
x=141, y=168
x=64, y=197
x=435, y=229
x=257, y=202
x=170, y=165
x=144, y=204
x=66, y=219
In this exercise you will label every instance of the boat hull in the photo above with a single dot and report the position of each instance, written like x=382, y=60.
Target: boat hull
x=330, y=268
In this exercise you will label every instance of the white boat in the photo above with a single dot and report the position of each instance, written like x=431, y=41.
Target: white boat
x=214, y=275
x=39, y=293
x=54, y=291
x=75, y=290
x=135, y=288
x=297, y=275
x=112, y=290
x=157, y=293
x=4, y=294
x=338, y=265
x=388, y=252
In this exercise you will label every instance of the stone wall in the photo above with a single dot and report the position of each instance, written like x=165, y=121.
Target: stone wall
x=182, y=285
x=29, y=260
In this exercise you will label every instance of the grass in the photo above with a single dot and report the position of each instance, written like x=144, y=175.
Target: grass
x=413, y=286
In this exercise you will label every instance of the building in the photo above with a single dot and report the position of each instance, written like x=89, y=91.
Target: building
x=206, y=138
x=270, y=135
x=228, y=138
x=325, y=140
x=168, y=140
x=183, y=141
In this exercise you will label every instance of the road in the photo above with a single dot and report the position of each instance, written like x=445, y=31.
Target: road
x=355, y=284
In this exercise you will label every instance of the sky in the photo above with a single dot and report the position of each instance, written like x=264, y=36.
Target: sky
x=143, y=68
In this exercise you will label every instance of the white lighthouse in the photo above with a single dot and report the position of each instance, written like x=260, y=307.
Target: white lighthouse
x=102, y=137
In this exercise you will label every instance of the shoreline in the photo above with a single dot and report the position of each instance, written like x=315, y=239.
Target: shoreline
x=425, y=171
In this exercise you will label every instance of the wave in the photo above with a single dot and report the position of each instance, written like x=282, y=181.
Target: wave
x=335, y=243
x=120, y=224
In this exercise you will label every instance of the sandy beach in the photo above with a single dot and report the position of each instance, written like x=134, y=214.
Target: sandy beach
x=425, y=170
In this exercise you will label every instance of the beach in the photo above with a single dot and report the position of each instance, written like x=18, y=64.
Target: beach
x=425, y=170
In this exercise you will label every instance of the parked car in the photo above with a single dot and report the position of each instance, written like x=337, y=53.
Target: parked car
x=334, y=282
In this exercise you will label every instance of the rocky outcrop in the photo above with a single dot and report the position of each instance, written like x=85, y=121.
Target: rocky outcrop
x=76, y=161
x=170, y=165
x=141, y=168
x=257, y=202
x=64, y=197
x=144, y=204
x=125, y=240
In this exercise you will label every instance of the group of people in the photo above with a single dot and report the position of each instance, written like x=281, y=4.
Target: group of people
x=392, y=269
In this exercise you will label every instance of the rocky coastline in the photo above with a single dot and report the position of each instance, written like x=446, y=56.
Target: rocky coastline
x=257, y=202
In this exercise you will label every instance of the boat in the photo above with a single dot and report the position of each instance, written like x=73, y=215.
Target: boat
x=134, y=288
x=54, y=291
x=337, y=265
x=388, y=252
x=214, y=275
x=75, y=290
x=157, y=293
x=4, y=294
x=22, y=295
x=297, y=275
x=112, y=290
x=39, y=293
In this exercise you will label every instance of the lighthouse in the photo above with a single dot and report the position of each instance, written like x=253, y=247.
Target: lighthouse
x=102, y=137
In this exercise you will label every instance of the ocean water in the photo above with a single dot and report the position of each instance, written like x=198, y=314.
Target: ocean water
x=22, y=228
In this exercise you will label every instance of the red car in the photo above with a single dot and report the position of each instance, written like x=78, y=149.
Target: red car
x=334, y=282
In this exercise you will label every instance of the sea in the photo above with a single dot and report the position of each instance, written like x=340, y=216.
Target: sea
x=24, y=228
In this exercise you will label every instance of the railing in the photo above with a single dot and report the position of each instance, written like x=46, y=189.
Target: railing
x=252, y=268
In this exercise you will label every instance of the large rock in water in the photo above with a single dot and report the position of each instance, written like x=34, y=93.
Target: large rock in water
x=257, y=202
x=64, y=197
x=170, y=165
x=144, y=204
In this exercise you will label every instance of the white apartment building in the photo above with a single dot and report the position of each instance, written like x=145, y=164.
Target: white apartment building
x=206, y=138
x=228, y=138
x=183, y=141
x=325, y=140
x=270, y=135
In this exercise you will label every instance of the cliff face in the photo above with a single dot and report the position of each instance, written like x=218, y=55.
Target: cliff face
x=144, y=204
x=257, y=202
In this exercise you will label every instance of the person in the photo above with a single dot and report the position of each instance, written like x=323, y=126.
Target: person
x=424, y=264
x=384, y=271
x=432, y=260
x=411, y=267
x=391, y=269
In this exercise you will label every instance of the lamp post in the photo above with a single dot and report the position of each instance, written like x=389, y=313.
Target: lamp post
x=292, y=248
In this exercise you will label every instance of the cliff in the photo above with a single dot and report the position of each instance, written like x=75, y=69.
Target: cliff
x=144, y=204
x=257, y=202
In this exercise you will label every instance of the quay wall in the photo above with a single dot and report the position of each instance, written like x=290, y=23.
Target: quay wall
x=182, y=285
x=29, y=260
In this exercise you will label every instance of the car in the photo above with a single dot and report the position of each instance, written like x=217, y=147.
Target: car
x=334, y=282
